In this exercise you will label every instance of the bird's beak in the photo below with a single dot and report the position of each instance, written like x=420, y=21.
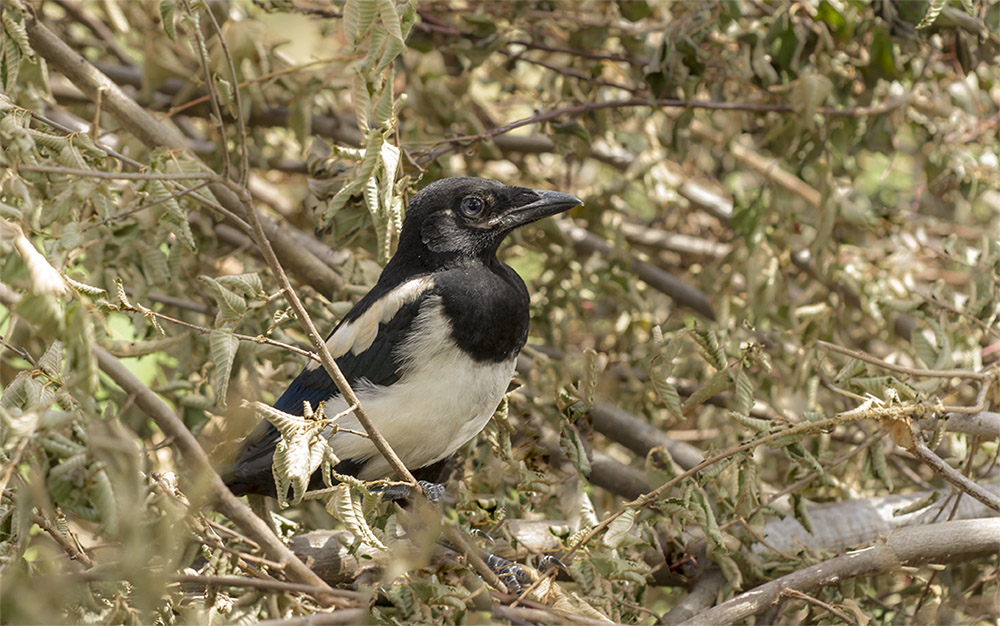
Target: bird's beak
x=547, y=203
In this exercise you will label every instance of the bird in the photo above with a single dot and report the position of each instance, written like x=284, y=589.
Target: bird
x=430, y=349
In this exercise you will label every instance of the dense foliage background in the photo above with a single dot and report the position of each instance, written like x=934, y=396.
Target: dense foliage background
x=768, y=338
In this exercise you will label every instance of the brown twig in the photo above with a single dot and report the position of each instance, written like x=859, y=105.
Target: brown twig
x=565, y=71
x=199, y=465
x=64, y=542
x=868, y=358
x=204, y=331
x=580, y=109
x=792, y=593
x=210, y=86
x=173, y=196
x=953, y=476
x=137, y=121
x=268, y=585
x=72, y=171
x=886, y=413
x=241, y=126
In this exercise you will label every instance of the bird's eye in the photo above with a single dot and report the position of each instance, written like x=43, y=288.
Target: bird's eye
x=472, y=206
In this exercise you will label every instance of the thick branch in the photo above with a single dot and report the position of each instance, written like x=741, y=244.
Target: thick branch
x=945, y=542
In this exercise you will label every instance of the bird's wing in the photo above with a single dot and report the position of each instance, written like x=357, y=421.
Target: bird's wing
x=370, y=339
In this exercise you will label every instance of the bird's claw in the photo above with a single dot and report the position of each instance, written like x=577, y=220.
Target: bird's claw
x=548, y=563
x=510, y=574
x=433, y=491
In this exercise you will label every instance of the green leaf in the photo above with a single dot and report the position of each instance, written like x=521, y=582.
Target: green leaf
x=744, y=389
x=730, y=569
x=709, y=347
x=755, y=423
x=300, y=119
x=390, y=19
x=876, y=461
x=232, y=306
x=635, y=10
x=362, y=100
x=248, y=284
x=917, y=505
x=358, y=18
x=572, y=446
x=103, y=495
x=718, y=383
x=347, y=509
x=934, y=8
x=167, y=8
x=826, y=12
x=660, y=467
x=882, y=56
x=223, y=347
x=154, y=262
x=384, y=106
x=618, y=530
x=707, y=520
x=800, y=512
x=80, y=339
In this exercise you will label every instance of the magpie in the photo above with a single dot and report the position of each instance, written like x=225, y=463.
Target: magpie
x=430, y=350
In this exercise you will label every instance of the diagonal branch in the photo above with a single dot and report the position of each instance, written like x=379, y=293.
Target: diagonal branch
x=948, y=541
x=197, y=461
x=154, y=134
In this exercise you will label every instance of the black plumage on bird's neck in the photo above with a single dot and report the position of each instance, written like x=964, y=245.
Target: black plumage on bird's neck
x=430, y=349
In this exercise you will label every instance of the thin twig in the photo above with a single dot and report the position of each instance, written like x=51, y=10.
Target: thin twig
x=64, y=542
x=269, y=585
x=883, y=413
x=72, y=171
x=792, y=593
x=197, y=461
x=241, y=126
x=953, y=476
x=210, y=86
x=565, y=71
x=580, y=109
x=204, y=331
x=173, y=196
x=808, y=478
x=868, y=358
x=317, y=340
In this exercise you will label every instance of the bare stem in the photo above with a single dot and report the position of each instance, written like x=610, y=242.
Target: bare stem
x=868, y=358
x=953, y=476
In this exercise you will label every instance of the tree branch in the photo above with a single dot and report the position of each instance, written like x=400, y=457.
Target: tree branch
x=945, y=542
x=155, y=134
x=953, y=476
x=200, y=467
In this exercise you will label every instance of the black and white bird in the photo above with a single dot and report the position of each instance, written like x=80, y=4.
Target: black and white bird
x=430, y=350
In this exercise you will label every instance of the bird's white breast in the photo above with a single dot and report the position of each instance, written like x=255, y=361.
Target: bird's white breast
x=442, y=400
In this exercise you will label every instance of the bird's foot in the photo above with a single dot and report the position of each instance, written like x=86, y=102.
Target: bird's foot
x=512, y=575
x=433, y=491
x=548, y=563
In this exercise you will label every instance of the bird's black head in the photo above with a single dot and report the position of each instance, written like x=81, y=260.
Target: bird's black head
x=466, y=218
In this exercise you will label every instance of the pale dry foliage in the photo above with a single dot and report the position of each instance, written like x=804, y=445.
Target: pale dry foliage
x=768, y=338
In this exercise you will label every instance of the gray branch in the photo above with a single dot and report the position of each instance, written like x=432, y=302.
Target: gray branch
x=938, y=543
